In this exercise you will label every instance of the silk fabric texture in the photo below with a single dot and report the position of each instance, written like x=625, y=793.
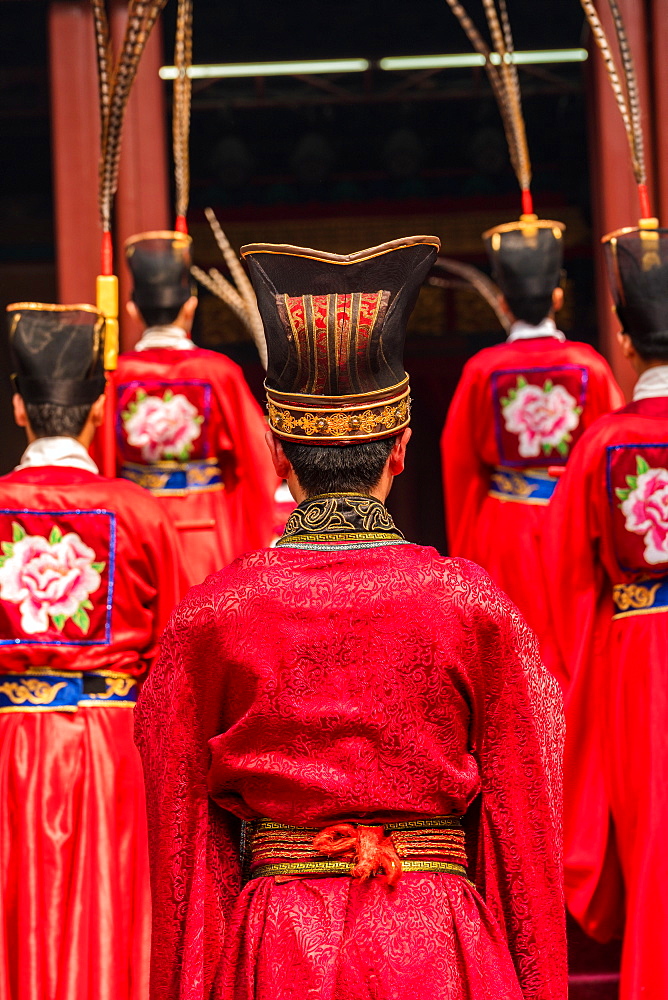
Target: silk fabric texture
x=503, y=536
x=616, y=760
x=307, y=685
x=75, y=900
x=231, y=430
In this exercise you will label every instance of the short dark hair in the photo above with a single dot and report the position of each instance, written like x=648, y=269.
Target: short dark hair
x=351, y=468
x=53, y=420
x=159, y=315
x=530, y=309
x=651, y=346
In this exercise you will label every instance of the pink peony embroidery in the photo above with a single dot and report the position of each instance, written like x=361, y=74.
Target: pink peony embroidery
x=50, y=579
x=162, y=427
x=543, y=417
x=645, y=507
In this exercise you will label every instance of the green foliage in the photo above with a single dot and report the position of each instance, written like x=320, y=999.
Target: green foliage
x=55, y=536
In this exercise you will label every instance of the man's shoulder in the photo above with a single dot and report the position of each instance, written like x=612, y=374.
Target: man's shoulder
x=79, y=488
x=399, y=570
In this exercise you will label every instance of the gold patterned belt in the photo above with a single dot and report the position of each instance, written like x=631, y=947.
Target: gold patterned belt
x=358, y=850
x=532, y=486
x=645, y=597
x=176, y=479
x=44, y=690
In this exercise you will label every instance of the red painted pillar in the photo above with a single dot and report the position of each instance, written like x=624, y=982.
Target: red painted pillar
x=614, y=192
x=142, y=200
x=75, y=130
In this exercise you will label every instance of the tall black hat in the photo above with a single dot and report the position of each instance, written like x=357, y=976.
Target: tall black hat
x=637, y=260
x=335, y=328
x=57, y=352
x=160, y=265
x=526, y=256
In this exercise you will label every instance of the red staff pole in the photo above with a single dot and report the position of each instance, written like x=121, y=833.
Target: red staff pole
x=107, y=305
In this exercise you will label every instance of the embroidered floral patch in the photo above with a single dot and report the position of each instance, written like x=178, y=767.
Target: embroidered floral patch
x=162, y=427
x=49, y=579
x=645, y=507
x=537, y=413
x=56, y=581
x=542, y=417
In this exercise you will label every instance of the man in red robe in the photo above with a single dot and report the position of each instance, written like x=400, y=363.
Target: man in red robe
x=518, y=410
x=351, y=747
x=187, y=426
x=88, y=578
x=606, y=559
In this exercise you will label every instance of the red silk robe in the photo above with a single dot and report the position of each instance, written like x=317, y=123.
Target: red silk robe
x=87, y=581
x=519, y=408
x=194, y=407
x=306, y=685
x=616, y=656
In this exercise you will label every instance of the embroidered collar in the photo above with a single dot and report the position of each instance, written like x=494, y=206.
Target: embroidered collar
x=174, y=338
x=57, y=451
x=524, y=331
x=340, y=521
x=652, y=383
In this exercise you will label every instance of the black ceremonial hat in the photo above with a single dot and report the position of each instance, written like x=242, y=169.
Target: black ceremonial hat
x=160, y=264
x=637, y=260
x=57, y=352
x=335, y=327
x=526, y=256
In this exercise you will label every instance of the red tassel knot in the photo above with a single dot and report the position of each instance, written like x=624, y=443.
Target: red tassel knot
x=369, y=850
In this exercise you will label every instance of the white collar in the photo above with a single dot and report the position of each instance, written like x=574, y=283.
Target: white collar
x=65, y=451
x=524, y=331
x=173, y=337
x=652, y=383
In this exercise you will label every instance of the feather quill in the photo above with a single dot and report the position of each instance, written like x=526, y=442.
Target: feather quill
x=181, y=105
x=471, y=275
x=141, y=18
x=241, y=298
x=503, y=80
x=634, y=110
x=615, y=82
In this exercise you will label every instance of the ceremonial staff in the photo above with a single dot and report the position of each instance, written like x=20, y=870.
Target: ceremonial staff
x=115, y=82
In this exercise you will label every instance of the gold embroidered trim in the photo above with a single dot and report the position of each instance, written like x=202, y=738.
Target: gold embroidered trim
x=335, y=517
x=634, y=596
x=307, y=869
x=118, y=685
x=324, y=425
x=31, y=691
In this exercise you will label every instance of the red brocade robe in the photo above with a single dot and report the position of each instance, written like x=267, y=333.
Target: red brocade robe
x=518, y=409
x=606, y=553
x=193, y=409
x=88, y=578
x=368, y=679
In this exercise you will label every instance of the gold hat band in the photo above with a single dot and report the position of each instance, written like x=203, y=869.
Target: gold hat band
x=367, y=417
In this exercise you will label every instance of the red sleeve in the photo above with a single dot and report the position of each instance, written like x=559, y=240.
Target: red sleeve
x=194, y=852
x=571, y=570
x=161, y=545
x=605, y=395
x=250, y=478
x=517, y=739
x=579, y=598
x=465, y=477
